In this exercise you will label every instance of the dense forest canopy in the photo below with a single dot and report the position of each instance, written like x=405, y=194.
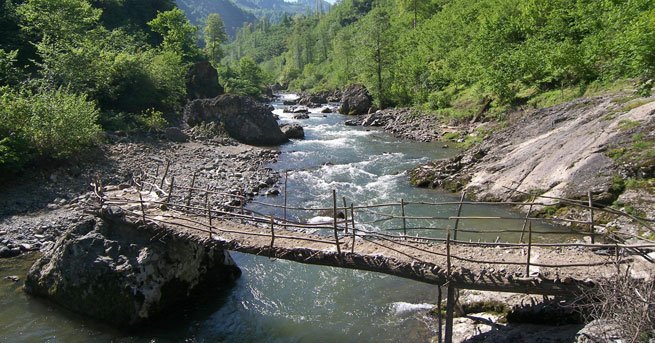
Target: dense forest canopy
x=449, y=54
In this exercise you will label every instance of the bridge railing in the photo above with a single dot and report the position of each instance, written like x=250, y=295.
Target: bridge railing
x=357, y=222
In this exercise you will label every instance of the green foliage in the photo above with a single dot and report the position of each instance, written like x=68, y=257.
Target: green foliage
x=9, y=72
x=44, y=124
x=246, y=78
x=536, y=51
x=178, y=35
x=153, y=120
x=58, y=19
x=214, y=36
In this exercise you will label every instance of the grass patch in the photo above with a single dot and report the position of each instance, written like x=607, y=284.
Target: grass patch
x=555, y=97
x=627, y=125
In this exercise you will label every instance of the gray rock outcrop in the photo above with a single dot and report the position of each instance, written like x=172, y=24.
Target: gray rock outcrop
x=294, y=131
x=561, y=151
x=356, y=100
x=115, y=272
x=202, y=81
x=243, y=118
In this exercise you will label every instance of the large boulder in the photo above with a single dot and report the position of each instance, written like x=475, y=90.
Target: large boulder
x=202, y=81
x=293, y=131
x=125, y=275
x=244, y=119
x=356, y=100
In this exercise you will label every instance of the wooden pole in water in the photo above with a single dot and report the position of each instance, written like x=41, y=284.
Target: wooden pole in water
x=591, y=218
x=336, y=235
x=450, y=311
x=459, y=212
x=193, y=182
x=527, y=268
x=402, y=213
x=352, y=219
x=345, y=214
x=272, y=232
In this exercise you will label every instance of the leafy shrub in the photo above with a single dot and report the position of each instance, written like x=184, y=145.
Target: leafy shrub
x=44, y=124
x=152, y=120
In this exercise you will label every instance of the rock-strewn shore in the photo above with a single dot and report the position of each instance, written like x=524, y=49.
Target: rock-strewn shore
x=37, y=208
x=405, y=123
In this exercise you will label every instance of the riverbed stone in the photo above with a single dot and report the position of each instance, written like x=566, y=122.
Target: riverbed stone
x=116, y=272
x=244, y=119
x=294, y=131
x=356, y=100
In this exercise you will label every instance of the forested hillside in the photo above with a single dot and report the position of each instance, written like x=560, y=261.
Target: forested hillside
x=456, y=56
x=234, y=17
x=275, y=9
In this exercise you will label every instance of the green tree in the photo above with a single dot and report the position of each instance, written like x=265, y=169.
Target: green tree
x=214, y=36
x=377, y=42
x=177, y=33
x=58, y=20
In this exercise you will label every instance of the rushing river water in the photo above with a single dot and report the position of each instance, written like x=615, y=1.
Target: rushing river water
x=280, y=301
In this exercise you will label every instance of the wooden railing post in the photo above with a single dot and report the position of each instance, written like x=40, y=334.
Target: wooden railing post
x=354, y=230
x=439, y=316
x=448, y=252
x=155, y=180
x=143, y=210
x=286, y=176
x=242, y=200
x=450, y=311
x=527, y=216
x=272, y=232
x=527, y=268
x=170, y=191
x=209, y=212
x=345, y=215
x=402, y=213
x=161, y=184
x=193, y=182
x=336, y=234
x=591, y=219
x=459, y=213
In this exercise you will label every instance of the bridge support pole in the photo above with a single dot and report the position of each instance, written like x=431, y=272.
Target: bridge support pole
x=450, y=311
x=336, y=234
x=439, y=316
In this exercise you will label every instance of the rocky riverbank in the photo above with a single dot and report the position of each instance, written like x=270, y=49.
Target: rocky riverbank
x=406, y=123
x=38, y=207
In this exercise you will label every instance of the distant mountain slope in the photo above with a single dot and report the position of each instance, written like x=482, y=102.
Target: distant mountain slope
x=233, y=16
x=274, y=9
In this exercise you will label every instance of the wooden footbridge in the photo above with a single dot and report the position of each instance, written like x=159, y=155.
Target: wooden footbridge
x=551, y=262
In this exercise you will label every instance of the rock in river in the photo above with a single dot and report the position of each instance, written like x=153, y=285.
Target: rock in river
x=115, y=272
x=293, y=131
x=356, y=100
x=244, y=119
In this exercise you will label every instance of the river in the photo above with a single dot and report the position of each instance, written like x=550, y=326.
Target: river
x=281, y=301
